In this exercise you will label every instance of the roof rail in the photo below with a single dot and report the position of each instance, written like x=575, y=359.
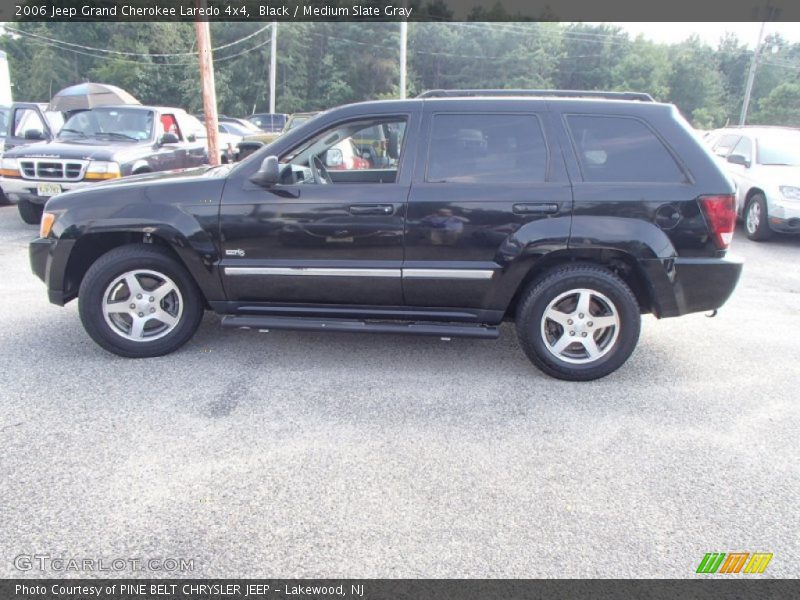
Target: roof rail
x=641, y=96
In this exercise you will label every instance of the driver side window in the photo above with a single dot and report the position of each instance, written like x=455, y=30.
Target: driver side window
x=364, y=151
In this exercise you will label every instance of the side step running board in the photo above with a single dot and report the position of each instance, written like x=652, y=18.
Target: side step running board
x=310, y=324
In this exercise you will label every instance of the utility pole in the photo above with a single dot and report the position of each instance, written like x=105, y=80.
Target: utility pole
x=751, y=76
x=403, y=50
x=273, y=66
x=209, y=91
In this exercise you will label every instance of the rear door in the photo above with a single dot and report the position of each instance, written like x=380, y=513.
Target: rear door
x=489, y=180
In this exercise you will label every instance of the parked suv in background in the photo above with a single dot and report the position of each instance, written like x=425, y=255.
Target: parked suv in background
x=94, y=145
x=570, y=216
x=764, y=162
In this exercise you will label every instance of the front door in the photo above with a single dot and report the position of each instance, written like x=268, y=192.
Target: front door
x=331, y=231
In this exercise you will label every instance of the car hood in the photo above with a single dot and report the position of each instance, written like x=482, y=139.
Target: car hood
x=147, y=186
x=84, y=149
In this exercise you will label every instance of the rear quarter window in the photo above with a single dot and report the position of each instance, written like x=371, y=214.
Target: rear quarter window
x=621, y=150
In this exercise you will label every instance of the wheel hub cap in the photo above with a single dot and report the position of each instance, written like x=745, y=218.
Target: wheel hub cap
x=580, y=326
x=142, y=305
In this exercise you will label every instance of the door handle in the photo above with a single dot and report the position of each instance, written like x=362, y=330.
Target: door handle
x=540, y=208
x=371, y=209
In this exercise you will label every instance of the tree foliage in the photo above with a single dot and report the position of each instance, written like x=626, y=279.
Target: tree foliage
x=325, y=64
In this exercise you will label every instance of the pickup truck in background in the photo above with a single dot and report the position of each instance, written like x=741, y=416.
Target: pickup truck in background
x=44, y=157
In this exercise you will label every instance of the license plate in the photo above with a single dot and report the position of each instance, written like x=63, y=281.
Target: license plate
x=48, y=189
x=339, y=240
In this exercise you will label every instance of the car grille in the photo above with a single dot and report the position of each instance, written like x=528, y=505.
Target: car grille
x=53, y=170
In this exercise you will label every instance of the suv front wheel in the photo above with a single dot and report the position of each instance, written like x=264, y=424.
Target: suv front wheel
x=137, y=301
x=578, y=323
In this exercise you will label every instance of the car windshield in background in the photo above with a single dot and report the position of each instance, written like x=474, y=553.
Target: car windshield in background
x=234, y=128
x=109, y=123
x=779, y=149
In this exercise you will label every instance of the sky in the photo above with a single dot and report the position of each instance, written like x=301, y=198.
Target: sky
x=710, y=32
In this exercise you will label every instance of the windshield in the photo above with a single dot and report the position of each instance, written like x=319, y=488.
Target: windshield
x=3, y=122
x=779, y=148
x=233, y=128
x=109, y=123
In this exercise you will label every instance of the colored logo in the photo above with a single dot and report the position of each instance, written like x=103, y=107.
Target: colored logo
x=719, y=562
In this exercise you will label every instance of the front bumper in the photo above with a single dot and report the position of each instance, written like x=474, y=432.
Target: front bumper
x=686, y=285
x=50, y=266
x=17, y=189
x=784, y=215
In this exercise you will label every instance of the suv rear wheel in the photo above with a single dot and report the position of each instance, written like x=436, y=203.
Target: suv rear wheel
x=137, y=301
x=578, y=322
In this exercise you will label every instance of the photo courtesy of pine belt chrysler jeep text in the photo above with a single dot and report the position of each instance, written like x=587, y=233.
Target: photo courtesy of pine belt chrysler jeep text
x=569, y=213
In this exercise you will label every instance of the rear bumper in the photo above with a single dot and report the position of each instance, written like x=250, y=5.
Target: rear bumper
x=49, y=266
x=686, y=285
x=17, y=189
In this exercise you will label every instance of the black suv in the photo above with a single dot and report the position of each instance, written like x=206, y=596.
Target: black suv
x=570, y=213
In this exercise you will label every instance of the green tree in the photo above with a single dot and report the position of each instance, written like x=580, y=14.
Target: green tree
x=780, y=107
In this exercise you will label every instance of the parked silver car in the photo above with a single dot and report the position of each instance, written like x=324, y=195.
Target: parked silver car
x=764, y=162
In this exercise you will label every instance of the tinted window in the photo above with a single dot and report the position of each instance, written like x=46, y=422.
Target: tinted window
x=487, y=149
x=621, y=149
x=369, y=150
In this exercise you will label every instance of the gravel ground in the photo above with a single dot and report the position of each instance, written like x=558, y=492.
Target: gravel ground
x=312, y=455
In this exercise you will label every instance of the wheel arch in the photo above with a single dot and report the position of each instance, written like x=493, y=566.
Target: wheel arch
x=140, y=167
x=91, y=246
x=621, y=263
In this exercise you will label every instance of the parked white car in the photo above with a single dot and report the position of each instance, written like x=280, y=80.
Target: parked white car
x=764, y=162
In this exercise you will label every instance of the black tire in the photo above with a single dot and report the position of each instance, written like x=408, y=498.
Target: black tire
x=619, y=344
x=31, y=213
x=4, y=201
x=756, y=225
x=122, y=260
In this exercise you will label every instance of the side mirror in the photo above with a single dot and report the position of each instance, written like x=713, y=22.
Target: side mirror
x=738, y=159
x=33, y=134
x=168, y=138
x=393, y=145
x=334, y=158
x=269, y=173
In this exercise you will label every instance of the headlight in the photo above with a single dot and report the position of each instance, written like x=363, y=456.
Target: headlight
x=9, y=167
x=100, y=169
x=790, y=192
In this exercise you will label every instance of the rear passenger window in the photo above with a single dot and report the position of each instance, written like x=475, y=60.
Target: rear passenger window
x=487, y=149
x=621, y=149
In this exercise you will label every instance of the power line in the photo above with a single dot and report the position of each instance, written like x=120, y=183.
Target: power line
x=152, y=64
x=140, y=54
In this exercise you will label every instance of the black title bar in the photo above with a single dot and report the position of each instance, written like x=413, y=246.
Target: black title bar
x=396, y=10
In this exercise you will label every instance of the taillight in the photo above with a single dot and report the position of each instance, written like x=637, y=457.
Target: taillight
x=720, y=214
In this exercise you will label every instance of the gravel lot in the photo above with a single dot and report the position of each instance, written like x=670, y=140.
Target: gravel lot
x=310, y=455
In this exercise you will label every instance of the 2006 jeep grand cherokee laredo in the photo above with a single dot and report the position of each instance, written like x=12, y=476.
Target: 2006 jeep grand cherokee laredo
x=571, y=213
